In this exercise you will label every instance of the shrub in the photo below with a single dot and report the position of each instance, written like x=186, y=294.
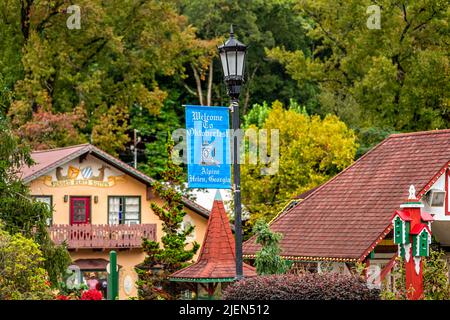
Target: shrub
x=22, y=276
x=310, y=286
x=92, y=294
x=268, y=259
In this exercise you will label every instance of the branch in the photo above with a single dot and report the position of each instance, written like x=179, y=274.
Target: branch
x=327, y=33
x=55, y=11
x=189, y=89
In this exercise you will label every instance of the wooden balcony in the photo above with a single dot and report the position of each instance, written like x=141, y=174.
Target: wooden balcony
x=99, y=236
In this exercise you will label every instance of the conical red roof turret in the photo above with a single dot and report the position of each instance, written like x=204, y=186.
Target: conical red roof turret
x=217, y=259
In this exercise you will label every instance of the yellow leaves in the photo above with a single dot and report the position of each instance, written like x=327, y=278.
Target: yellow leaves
x=151, y=100
x=19, y=112
x=203, y=51
x=312, y=150
x=300, y=68
x=21, y=273
x=110, y=133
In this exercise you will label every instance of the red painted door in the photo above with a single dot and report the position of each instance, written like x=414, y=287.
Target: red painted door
x=80, y=210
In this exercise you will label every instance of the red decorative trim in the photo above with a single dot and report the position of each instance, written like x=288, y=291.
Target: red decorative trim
x=376, y=242
x=391, y=264
x=433, y=180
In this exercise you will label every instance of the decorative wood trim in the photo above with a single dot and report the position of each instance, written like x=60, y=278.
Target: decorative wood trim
x=89, y=236
x=433, y=180
x=86, y=149
x=391, y=264
x=307, y=258
x=375, y=243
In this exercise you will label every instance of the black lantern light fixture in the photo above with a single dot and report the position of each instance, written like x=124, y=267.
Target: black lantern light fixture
x=232, y=55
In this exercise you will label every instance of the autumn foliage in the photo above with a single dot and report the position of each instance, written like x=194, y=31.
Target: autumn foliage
x=48, y=130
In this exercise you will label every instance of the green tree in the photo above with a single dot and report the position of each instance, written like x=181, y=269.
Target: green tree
x=18, y=212
x=21, y=274
x=175, y=253
x=113, y=64
x=259, y=24
x=268, y=260
x=311, y=151
x=155, y=130
x=395, y=78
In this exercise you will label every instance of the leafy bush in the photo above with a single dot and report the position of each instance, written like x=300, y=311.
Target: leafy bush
x=268, y=259
x=92, y=294
x=22, y=276
x=310, y=286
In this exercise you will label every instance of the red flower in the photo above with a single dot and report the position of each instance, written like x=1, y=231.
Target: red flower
x=62, y=297
x=92, y=294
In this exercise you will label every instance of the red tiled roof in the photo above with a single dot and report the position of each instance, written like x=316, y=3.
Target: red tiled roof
x=402, y=215
x=303, y=195
x=217, y=257
x=426, y=216
x=44, y=159
x=344, y=217
x=47, y=160
x=419, y=227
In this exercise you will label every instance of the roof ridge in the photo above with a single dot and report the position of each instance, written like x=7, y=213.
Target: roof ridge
x=61, y=148
x=419, y=133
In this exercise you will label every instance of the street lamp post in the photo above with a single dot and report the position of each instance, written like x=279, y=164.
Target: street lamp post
x=232, y=56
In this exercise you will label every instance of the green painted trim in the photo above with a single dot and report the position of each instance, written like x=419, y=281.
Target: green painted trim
x=113, y=277
x=202, y=280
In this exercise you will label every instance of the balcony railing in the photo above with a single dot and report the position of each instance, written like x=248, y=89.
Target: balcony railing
x=91, y=236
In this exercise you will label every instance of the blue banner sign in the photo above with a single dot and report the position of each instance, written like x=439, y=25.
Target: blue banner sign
x=208, y=147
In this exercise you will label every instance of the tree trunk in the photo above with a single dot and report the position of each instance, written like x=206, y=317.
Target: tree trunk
x=199, y=84
x=25, y=18
x=210, y=82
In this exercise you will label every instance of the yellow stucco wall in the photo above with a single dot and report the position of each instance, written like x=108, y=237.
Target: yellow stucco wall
x=128, y=186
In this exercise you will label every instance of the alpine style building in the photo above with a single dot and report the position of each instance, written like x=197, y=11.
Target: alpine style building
x=101, y=204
